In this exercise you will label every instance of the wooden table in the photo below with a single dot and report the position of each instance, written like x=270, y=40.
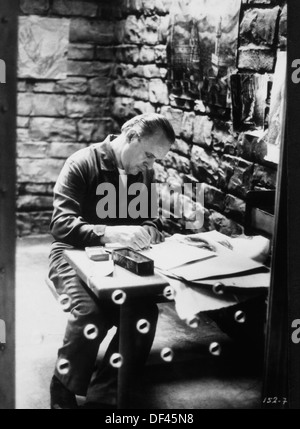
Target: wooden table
x=123, y=287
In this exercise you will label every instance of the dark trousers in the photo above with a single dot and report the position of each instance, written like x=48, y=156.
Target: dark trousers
x=82, y=377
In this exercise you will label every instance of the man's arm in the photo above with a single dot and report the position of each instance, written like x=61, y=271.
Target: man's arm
x=67, y=224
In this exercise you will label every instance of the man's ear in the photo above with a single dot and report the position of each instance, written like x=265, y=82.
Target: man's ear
x=131, y=135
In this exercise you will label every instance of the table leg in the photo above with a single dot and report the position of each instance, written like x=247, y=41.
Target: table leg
x=127, y=349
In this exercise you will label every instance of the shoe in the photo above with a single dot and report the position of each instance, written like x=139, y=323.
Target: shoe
x=97, y=406
x=61, y=397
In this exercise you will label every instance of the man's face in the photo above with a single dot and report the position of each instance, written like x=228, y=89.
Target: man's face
x=140, y=154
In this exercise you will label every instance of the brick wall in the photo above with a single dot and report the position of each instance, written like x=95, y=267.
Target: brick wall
x=117, y=68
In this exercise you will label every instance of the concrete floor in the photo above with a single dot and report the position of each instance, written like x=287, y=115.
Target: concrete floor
x=194, y=380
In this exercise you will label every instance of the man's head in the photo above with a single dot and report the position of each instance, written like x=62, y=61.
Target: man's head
x=147, y=137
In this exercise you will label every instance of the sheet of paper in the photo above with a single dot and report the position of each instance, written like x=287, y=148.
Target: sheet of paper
x=222, y=265
x=171, y=254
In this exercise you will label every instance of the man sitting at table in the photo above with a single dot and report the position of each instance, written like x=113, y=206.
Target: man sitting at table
x=121, y=161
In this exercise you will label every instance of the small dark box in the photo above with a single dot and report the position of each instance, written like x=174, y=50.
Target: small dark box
x=133, y=261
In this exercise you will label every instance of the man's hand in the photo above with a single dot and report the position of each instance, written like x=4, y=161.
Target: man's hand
x=135, y=237
x=156, y=236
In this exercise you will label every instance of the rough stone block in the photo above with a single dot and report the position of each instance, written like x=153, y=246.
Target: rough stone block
x=89, y=69
x=141, y=107
x=30, y=104
x=147, y=55
x=131, y=6
x=283, y=28
x=213, y=198
x=119, y=32
x=50, y=129
x=123, y=107
x=23, y=135
x=178, y=162
x=40, y=105
x=86, y=31
x=84, y=106
x=34, y=202
x=202, y=134
x=24, y=104
x=22, y=122
x=151, y=7
x=38, y=170
x=175, y=116
x=235, y=208
x=239, y=175
x=160, y=173
x=258, y=26
x=45, y=87
x=224, y=140
x=34, y=7
x=109, y=10
x=174, y=178
x=256, y=59
x=158, y=92
x=133, y=30
x=142, y=30
x=224, y=225
x=74, y=7
x=134, y=87
x=105, y=53
x=35, y=189
x=90, y=130
x=181, y=147
x=160, y=53
x=81, y=52
x=264, y=177
x=32, y=149
x=163, y=29
x=152, y=71
x=64, y=150
x=128, y=54
x=72, y=85
x=187, y=127
x=205, y=166
x=33, y=223
x=22, y=86
x=252, y=147
x=101, y=86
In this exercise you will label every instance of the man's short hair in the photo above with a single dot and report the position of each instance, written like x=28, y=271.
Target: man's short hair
x=148, y=123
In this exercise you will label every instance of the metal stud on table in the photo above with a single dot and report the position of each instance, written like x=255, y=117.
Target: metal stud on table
x=167, y=354
x=119, y=297
x=169, y=293
x=240, y=316
x=143, y=326
x=215, y=349
x=218, y=288
x=63, y=366
x=91, y=332
x=194, y=322
x=116, y=360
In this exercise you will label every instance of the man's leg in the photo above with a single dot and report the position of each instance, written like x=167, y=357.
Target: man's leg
x=79, y=351
x=103, y=386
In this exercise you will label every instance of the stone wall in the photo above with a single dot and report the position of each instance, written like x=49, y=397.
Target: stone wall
x=56, y=118
x=117, y=68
